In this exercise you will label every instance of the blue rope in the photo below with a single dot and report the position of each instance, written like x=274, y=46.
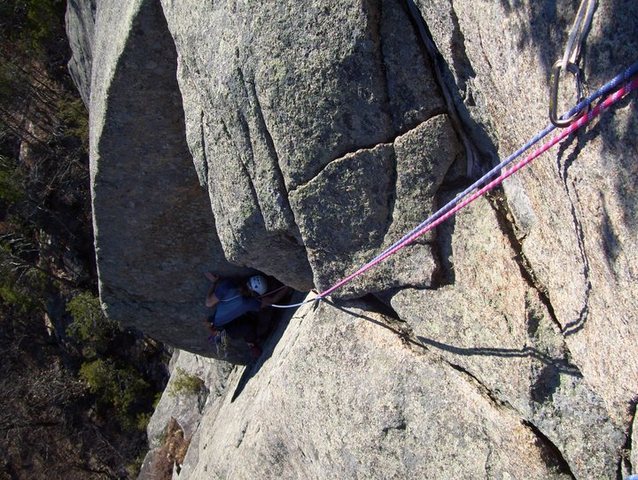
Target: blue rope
x=604, y=90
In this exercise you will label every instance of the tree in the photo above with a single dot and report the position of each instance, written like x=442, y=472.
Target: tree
x=93, y=330
x=119, y=388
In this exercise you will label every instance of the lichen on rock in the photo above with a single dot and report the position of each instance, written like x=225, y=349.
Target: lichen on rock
x=299, y=139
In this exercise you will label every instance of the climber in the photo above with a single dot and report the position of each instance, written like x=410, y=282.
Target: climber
x=231, y=300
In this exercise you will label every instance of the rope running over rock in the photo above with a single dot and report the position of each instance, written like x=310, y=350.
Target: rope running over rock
x=492, y=178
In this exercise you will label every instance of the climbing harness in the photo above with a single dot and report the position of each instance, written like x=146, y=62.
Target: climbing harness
x=625, y=83
x=569, y=63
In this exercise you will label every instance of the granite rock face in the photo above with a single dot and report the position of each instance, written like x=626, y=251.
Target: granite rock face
x=414, y=417
x=280, y=106
x=300, y=139
x=195, y=382
x=80, y=27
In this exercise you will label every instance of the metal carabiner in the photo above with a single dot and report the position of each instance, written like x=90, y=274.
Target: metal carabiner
x=554, y=81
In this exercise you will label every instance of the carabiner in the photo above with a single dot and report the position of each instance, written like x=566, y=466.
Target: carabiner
x=553, y=92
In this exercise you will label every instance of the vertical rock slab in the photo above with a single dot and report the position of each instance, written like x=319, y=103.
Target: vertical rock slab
x=80, y=28
x=154, y=230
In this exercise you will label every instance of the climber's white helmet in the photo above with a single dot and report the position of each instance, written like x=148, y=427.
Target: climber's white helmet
x=258, y=284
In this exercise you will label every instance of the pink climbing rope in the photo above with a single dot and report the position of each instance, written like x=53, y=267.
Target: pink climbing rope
x=583, y=120
x=580, y=122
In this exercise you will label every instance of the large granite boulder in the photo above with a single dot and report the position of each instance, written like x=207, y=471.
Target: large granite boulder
x=274, y=111
x=154, y=230
x=301, y=138
x=301, y=413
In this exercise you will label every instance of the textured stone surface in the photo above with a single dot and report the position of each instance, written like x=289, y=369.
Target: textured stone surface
x=154, y=231
x=494, y=327
x=362, y=203
x=575, y=209
x=80, y=27
x=273, y=117
x=300, y=138
x=413, y=417
x=184, y=406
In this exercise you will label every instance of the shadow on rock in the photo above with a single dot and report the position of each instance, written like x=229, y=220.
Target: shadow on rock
x=280, y=319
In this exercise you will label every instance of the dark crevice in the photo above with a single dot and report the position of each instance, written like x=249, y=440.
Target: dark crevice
x=401, y=329
x=438, y=62
x=242, y=166
x=545, y=384
x=505, y=221
x=480, y=386
x=279, y=176
x=550, y=453
x=392, y=192
x=321, y=169
x=204, y=155
x=624, y=463
x=377, y=304
x=376, y=20
x=400, y=426
x=243, y=122
x=462, y=64
x=387, y=142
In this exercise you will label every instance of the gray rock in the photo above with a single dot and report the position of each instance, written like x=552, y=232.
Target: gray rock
x=300, y=139
x=80, y=27
x=183, y=405
x=576, y=206
x=186, y=406
x=154, y=231
x=412, y=417
x=274, y=117
x=493, y=327
x=362, y=203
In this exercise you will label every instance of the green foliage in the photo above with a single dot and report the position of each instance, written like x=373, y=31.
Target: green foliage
x=133, y=468
x=76, y=119
x=120, y=388
x=8, y=80
x=142, y=420
x=90, y=327
x=31, y=21
x=11, y=181
x=41, y=18
x=185, y=384
x=44, y=210
x=22, y=300
x=21, y=287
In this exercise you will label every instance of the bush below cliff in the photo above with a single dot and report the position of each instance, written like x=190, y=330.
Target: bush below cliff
x=60, y=418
